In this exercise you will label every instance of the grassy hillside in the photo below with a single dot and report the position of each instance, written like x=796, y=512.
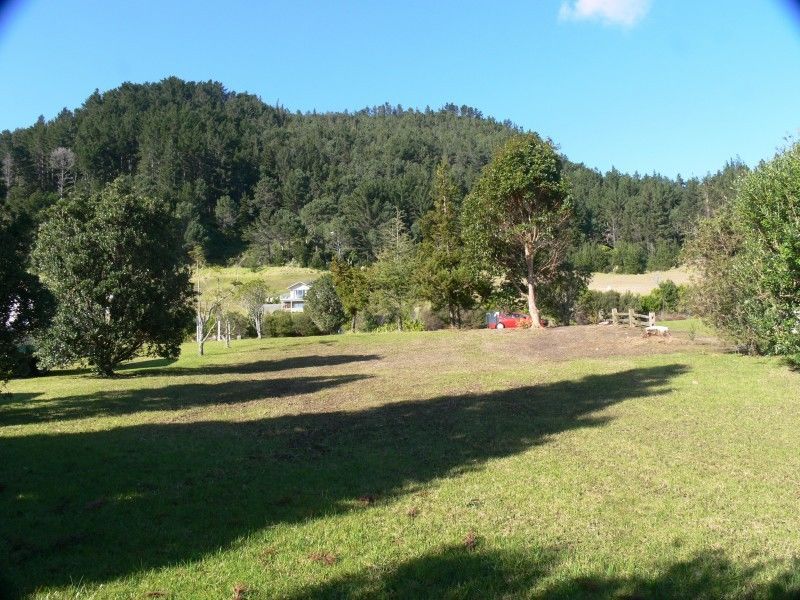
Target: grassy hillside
x=643, y=283
x=277, y=278
x=574, y=462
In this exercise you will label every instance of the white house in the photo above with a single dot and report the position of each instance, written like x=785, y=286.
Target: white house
x=294, y=300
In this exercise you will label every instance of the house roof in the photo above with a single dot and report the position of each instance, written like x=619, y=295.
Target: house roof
x=298, y=284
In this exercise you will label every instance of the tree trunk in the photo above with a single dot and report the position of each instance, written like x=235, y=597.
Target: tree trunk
x=353, y=323
x=257, y=323
x=200, y=335
x=227, y=334
x=532, y=309
x=399, y=323
x=219, y=330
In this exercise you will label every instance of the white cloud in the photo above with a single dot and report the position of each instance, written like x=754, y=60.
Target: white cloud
x=611, y=12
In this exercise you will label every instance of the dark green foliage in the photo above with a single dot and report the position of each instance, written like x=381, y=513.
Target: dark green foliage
x=304, y=325
x=559, y=298
x=748, y=258
x=323, y=305
x=306, y=187
x=25, y=306
x=391, y=282
x=519, y=219
x=279, y=324
x=667, y=297
x=113, y=260
x=286, y=324
x=592, y=257
x=592, y=302
x=664, y=256
x=443, y=274
x=352, y=288
x=628, y=257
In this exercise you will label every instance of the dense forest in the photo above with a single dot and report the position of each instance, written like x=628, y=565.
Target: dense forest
x=259, y=184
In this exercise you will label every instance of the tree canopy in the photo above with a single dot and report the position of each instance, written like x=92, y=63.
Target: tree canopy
x=115, y=264
x=246, y=178
x=748, y=260
x=519, y=219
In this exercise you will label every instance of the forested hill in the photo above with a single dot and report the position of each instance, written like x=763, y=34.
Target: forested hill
x=253, y=180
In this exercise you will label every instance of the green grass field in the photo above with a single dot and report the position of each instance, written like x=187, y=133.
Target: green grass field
x=574, y=462
x=277, y=278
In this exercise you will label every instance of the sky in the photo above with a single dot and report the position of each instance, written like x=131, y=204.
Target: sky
x=669, y=86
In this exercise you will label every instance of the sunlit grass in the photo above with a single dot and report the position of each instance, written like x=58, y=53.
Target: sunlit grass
x=444, y=464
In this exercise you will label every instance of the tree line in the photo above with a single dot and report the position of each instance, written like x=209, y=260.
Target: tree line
x=113, y=242
x=259, y=184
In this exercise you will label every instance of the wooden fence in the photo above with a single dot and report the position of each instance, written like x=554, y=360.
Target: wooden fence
x=630, y=318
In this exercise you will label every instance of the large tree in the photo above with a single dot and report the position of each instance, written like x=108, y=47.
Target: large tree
x=352, y=287
x=519, y=218
x=115, y=264
x=444, y=276
x=393, y=290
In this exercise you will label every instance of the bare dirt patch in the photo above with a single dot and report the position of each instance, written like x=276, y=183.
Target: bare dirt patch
x=591, y=341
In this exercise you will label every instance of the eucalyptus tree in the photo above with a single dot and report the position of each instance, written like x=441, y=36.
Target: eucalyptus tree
x=519, y=218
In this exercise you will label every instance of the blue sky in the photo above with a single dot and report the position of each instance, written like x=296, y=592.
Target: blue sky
x=675, y=86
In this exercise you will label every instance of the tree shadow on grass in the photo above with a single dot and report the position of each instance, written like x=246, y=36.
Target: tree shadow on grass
x=170, y=397
x=259, y=366
x=480, y=573
x=97, y=505
x=161, y=367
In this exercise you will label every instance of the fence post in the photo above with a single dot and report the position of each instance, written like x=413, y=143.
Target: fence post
x=614, y=316
x=651, y=319
x=631, y=318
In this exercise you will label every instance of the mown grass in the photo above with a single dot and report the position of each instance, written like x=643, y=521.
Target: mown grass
x=692, y=326
x=410, y=465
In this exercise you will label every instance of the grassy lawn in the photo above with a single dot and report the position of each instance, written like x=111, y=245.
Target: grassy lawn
x=277, y=278
x=577, y=462
x=692, y=325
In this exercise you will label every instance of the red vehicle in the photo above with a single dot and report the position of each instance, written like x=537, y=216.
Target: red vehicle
x=502, y=320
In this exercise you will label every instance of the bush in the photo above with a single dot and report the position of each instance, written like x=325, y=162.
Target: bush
x=304, y=325
x=592, y=301
x=664, y=256
x=323, y=306
x=408, y=325
x=628, y=258
x=286, y=324
x=279, y=324
x=748, y=258
x=665, y=298
x=592, y=258
x=431, y=320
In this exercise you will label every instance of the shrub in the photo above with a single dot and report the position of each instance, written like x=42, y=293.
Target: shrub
x=664, y=256
x=323, y=306
x=592, y=257
x=628, y=258
x=408, y=325
x=591, y=302
x=748, y=258
x=431, y=320
x=279, y=324
x=304, y=325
